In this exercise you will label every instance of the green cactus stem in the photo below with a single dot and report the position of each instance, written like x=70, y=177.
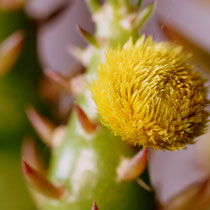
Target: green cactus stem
x=92, y=163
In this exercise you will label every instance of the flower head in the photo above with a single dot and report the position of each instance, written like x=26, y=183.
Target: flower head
x=149, y=94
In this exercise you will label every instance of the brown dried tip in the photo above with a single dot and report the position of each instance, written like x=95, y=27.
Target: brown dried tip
x=42, y=184
x=88, y=125
x=196, y=196
x=94, y=206
x=31, y=154
x=10, y=5
x=91, y=39
x=75, y=84
x=10, y=51
x=42, y=125
x=131, y=169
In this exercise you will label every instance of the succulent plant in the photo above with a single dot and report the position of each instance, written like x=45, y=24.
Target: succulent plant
x=88, y=163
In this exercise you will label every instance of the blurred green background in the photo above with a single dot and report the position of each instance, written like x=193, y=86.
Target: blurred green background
x=17, y=89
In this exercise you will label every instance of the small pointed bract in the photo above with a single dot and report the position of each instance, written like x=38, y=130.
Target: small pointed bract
x=9, y=51
x=91, y=39
x=94, y=206
x=42, y=184
x=57, y=78
x=144, y=185
x=201, y=55
x=78, y=84
x=74, y=84
x=143, y=15
x=58, y=136
x=93, y=5
x=11, y=5
x=88, y=125
x=83, y=55
x=131, y=169
x=77, y=53
x=42, y=125
x=31, y=154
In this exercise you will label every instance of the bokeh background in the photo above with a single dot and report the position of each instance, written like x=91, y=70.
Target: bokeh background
x=170, y=172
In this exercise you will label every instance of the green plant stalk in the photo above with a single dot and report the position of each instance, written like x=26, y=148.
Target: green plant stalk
x=87, y=164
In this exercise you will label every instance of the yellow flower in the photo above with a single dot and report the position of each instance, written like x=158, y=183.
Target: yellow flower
x=149, y=94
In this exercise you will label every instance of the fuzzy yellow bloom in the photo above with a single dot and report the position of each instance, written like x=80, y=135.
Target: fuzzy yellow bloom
x=149, y=94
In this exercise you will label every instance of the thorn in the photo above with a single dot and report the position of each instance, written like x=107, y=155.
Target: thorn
x=58, y=78
x=127, y=23
x=58, y=136
x=31, y=154
x=144, y=15
x=11, y=5
x=88, y=37
x=94, y=206
x=88, y=125
x=93, y=5
x=130, y=169
x=42, y=184
x=42, y=125
x=144, y=185
x=83, y=55
x=78, y=84
x=78, y=53
x=75, y=84
x=49, y=91
x=10, y=51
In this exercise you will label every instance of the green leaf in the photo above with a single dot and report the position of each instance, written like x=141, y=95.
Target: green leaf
x=144, y=15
